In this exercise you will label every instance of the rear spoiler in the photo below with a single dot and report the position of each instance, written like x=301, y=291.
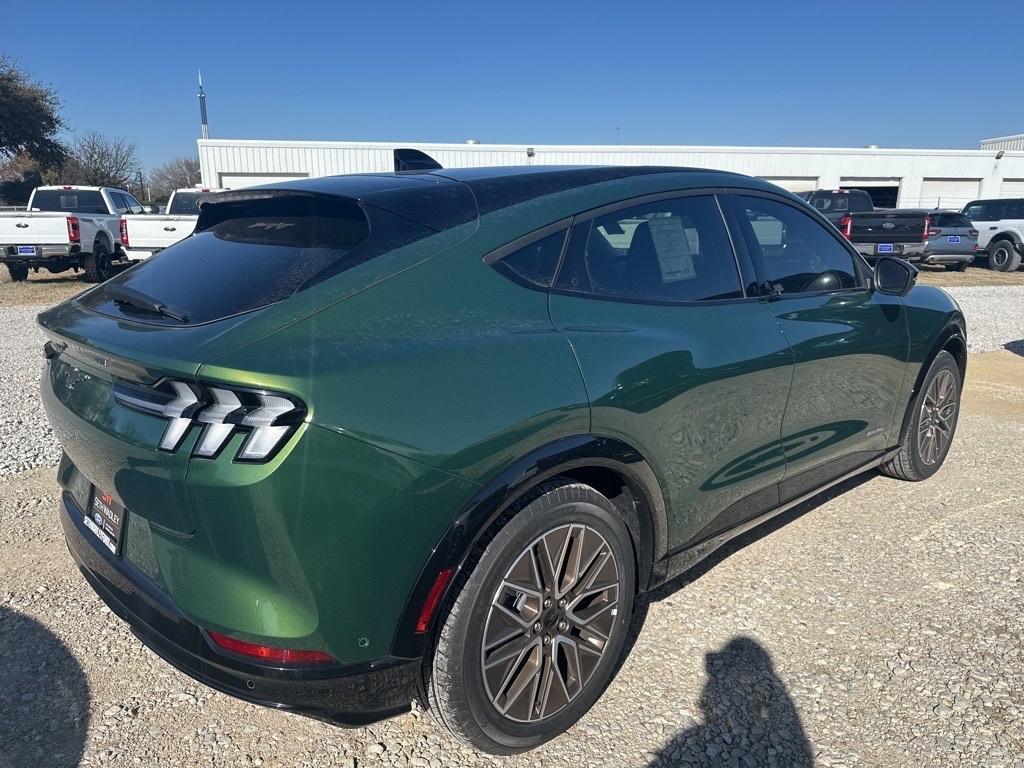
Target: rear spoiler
x=414, y=160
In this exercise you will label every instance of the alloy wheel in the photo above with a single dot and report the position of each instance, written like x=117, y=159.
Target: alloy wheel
x=549, y=623
x=938, y=414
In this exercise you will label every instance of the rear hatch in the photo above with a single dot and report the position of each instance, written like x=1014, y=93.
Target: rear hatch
x=258, y=261
x=885, y=227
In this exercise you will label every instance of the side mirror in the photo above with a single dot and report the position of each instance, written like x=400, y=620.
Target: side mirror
x=894, y=277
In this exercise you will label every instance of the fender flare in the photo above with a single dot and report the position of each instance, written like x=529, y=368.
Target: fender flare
x=1007, y=234
x=646, y=519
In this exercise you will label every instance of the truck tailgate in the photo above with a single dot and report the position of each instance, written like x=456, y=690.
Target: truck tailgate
x=154, y=232
x=887, y=227
x=33, y=228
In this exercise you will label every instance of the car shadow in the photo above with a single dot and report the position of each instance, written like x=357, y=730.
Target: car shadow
x=748, y=716
x=44, y=696
x=1017, y=347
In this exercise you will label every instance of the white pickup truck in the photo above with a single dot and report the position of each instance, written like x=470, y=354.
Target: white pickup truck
x=66, y=227
x=143, y=236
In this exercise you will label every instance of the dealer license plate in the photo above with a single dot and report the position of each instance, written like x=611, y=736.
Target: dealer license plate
x=952, y=238
x=105, y=519
x=26, y=250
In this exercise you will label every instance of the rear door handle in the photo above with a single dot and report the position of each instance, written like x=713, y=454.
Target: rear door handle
x=993, y=227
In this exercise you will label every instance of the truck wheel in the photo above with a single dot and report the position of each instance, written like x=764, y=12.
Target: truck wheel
x=1003, y=257
x=97, y=264
x=960, y=266
x=19, y=272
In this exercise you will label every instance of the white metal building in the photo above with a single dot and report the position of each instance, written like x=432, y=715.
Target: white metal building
x=946, y=178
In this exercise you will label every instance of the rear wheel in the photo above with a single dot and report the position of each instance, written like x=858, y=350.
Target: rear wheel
x=536, y=631
x=1003, y=256
x=97, y=264
x=932, y=423
x=19, y=272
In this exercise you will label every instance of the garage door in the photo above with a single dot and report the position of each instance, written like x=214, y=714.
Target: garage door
x=243, y=180
x=794, y=183
x=1012, y=188
x=884, y=192
x=949, y=193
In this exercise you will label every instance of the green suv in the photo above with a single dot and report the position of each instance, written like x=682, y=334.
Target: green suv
x=367, y=439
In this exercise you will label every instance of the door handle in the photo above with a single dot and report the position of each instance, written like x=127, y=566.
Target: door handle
x=168, y=229
x=993, y=227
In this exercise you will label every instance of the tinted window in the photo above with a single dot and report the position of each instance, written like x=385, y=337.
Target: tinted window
x=984, y=211
x=70, y=200
x=950, y=220
x=536, y=262
x=134, y=206
x=1014, y=209
x=119, y=202
x=185, y=204
x=255, y=254
x=667, y=251
x=797, y=254
x=840, y=202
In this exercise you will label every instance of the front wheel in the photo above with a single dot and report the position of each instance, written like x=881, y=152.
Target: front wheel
x=535, y=634
x=1003, y=257
x=933, y=418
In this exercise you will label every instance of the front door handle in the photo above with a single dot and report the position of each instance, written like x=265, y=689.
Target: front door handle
x=168, y=229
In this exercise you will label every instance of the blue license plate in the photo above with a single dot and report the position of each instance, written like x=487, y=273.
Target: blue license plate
x=952, y=238
x=885, y=247
x=26, y=250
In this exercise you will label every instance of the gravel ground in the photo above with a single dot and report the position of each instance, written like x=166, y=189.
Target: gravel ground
x=876, y=627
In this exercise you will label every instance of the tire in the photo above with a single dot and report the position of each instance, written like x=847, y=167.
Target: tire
x=97, y=263
x=919, y=458
x=461, y=696
x=19, y=272
x=960, y=266
x=1003, y=257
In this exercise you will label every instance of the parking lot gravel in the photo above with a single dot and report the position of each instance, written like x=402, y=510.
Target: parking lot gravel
x=877, y=625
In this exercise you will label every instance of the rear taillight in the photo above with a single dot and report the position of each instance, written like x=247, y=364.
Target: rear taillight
x=123, y=226
x=846, y=226
x=74, y=232
x=927, y=227
x=269, y=653
x=932, y=233
x=972, y=232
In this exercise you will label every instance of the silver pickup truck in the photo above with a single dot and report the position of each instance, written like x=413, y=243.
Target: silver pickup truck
x=66, y=227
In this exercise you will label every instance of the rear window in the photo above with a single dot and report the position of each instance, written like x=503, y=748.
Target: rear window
x=185, y=204
x=247, y=255
x=841, y=202
x=951, y=220
x=69, y=200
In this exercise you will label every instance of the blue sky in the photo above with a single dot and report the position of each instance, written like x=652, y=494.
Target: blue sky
x=757, y=73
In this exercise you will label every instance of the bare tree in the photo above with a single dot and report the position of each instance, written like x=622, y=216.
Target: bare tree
x=177, y=173
x=98, y=160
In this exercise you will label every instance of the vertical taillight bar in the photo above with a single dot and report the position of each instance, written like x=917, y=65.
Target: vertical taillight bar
x=123, y=226
x=927, y=228
x=74, y=232
x=846, y=226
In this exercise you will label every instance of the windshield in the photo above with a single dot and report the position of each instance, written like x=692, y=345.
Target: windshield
x=185, y=203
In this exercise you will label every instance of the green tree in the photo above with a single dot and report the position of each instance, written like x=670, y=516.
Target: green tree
x=29, y=117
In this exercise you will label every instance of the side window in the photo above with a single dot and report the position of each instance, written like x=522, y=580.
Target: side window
x=1014, y=210
x=119, y=203
x=796, y=253
x=674, y=250
x=134, y=206
x=535, y=263
x=990, y=211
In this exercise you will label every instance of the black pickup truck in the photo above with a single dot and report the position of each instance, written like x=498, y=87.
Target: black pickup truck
x=833, y=204
x=925, y=236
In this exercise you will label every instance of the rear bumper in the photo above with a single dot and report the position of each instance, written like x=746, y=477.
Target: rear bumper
x=349, y=695
x=9, y=254
x=139, y=254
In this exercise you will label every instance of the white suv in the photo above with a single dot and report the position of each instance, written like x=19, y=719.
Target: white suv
x=1000, y=225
